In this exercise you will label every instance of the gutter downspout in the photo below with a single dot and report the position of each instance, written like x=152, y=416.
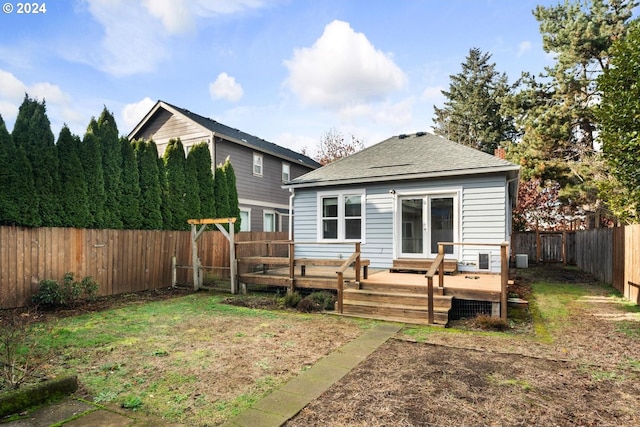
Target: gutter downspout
x=293, y=193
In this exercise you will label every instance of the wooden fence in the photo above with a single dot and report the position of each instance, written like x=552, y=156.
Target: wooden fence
x=611, y=254
x=120, y=261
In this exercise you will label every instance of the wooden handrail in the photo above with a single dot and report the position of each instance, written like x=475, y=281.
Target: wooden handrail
x=348, y=262
x=434, y=266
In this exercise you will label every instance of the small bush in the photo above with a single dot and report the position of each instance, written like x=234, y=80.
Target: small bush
x=326, y=300
x=292, y=299
x=484, y=321
x=21, y=354
x=307, y=306
x=70, y=293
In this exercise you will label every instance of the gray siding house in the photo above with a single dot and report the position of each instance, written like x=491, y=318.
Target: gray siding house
x=401, y=197
x=261, y=166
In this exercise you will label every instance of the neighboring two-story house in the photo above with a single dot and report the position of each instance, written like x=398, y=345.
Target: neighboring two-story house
x=261, y=166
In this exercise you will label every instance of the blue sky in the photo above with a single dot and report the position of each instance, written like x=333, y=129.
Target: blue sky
x=284, y=70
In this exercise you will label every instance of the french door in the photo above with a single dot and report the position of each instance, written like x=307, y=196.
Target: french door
x=425, y=221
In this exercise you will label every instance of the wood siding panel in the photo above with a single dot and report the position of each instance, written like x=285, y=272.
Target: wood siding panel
x=482, y=209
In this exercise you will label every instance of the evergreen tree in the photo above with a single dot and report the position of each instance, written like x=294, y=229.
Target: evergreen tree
x=174, y=161
x=18, y=202
x=165, y=211
x=74, y=197
x=9, y=213
x=91, y=157
x=107, y=133
x=33, y=134
x=234, y=207
x=221, y=190
x=200, y=152
x=617, y=115
x=192, y=197
x=150, y=190
x=472, y=115
x=556, y=112
x=130, y=196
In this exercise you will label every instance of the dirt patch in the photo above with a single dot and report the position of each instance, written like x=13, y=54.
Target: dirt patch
x=585, y=372
x=415, y=384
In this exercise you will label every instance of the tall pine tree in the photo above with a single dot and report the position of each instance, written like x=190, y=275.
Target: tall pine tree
x=174, y=160
x=234, y=207
x=202, y=155
x=33, y=134
x=471, y=114
x=221, y=190
x=107, y=133
x=18, y=203
x=74, y=196
x=192, y=197
x=150, y=190
x=130, y=197
x=91, y=157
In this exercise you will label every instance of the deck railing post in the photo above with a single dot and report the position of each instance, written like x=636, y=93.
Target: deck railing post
x=430, y=301
x=357, y=263
x=292, y=265
x=340, y=290
x=441, y=269
x=504, y=279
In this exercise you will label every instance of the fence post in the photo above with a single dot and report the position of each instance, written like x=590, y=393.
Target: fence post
x=340, y=290
x=174, y=275
x=504, y=279
x=430, y=301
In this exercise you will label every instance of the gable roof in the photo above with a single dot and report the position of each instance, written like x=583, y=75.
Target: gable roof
x=229, y=133
x=418, y=156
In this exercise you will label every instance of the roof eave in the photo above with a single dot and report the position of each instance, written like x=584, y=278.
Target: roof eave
x=403, y=177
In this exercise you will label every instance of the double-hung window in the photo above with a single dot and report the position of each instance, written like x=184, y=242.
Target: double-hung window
x=341, y=216
x=286, y=172
x=257, y=164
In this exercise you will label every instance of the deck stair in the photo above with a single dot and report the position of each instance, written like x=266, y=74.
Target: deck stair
x=422, y=265
x=394, y=302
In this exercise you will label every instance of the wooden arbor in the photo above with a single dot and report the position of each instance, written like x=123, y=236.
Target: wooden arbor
x=195, y=235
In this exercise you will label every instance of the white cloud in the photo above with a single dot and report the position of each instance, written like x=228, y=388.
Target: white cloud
x=523, y=48
x=225, y=87
x=298, y=143
x=342, y=67
x=136, y=33
x=133, y=113
x=58, y=103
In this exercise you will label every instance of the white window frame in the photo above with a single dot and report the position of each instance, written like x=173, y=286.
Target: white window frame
x=286, y=172
x=264, y=220
x=258, y=164
x=247, y=226
x=340, y=195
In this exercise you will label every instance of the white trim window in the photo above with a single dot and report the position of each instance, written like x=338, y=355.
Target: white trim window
x=245, y=219
x=257, y=164
x=286, y=172
x=341, y=216
x=268, y=220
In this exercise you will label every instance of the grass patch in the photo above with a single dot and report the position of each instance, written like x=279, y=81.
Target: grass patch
x=192, y=359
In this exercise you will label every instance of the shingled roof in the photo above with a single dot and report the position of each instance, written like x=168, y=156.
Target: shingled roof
x=238, y=136
x=417, y=156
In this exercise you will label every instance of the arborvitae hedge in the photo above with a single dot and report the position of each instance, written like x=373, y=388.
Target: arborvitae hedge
x=150, y=191
x=174, y=161
x=74, y=197
x=221, y=191
x=234, y=208
x=107, y=133
x=192, y=196
x=202, y=156
x=130, y=196
x=91, y=158
x=33, y=134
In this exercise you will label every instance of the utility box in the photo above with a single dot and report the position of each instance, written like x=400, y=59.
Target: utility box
x=522, y=261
